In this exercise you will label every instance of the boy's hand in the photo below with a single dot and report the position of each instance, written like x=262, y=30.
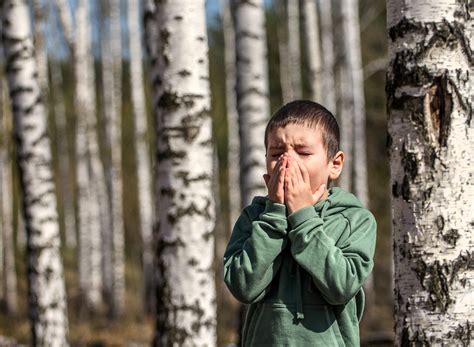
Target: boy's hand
x=276, y=182
x=298, y=192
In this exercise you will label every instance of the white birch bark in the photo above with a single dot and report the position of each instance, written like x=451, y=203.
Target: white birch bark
x=46, y=289
x=312, y=49
x=142, y=152
x=2, y=134
x=112, y=80
x=92, y=194
x=233, y=158
x=252, y=94
x=283, y=49
x=59, y=110
x=327, y=44
x=185, y=242
x=39, y=12
x=294, y=52
x=7, y=244
x=431, y=137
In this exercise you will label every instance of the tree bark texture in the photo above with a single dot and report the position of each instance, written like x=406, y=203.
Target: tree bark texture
x=7, y=260
x=294, y=52
x=91, y=190
x=252, y=94
x=142, y=153
x=312, y=49
x=46, y=289
x=431, y=137
x=185, y=241
x=327, y=45
x=112, y=80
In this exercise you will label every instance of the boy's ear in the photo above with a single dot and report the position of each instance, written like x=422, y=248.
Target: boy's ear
x=337, y=162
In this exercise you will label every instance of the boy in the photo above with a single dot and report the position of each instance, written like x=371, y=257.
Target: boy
x=300, y=255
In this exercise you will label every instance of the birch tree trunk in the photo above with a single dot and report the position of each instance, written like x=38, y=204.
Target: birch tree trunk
x=327, y=44
x=142, y=153
x=312, y=49
x=92, y=193
x=283, y=49
x=344, y=93
x=46, y=289
x=294, y=52
x=431, y=137
x=59, y=110
x=39, y=11
x=112, y=80
x=9, y=287
x=185, y=276
x=252, y=94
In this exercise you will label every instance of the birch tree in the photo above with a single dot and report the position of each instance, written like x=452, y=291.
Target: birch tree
x=59, y=110
x=312, y=49
x=252, y=94
x=142, y=152
x=91, y=190
x=185, y=243
x=327, y=45
x=294, y=53
x=112, y=81
x=431, y=137
x=7, y=261
x=46, y=289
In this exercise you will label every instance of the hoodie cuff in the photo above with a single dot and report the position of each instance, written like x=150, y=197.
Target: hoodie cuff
x=302, y=215
x=275, y=209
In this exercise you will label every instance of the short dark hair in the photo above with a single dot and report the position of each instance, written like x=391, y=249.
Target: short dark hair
x=311, y=114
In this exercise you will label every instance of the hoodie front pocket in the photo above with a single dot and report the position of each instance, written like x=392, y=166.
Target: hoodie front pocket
x=276, y=325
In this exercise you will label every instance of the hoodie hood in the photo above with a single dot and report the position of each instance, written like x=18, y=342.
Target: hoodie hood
x=337, y=201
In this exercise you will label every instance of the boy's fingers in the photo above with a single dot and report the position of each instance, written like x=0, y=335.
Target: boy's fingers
x=266, y=178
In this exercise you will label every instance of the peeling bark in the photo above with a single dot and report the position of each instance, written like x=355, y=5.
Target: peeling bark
x=186, y=312
x=431, y=136
x=46, y=289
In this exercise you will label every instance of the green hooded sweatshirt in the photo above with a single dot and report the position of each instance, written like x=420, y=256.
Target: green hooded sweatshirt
x=302, y=274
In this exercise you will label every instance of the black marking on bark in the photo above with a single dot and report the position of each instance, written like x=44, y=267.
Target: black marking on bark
x=251, y=91
x=462, y=262
x=440, y=223
x=245, y=34
x=20, y=90
x=192, y=262
x=409, y=162
x=184, y=73
x=169, y=100
x=451, y=237
x=168, y=192
x=441, y=107
x=170, y=154
x=189, y=210
x=406, y=188
x=462, y=333
x=201, y=38
x=201, y=61
x=433, y=278
x=178, y=18
x=183, y=175
x=395, y=190
x=187, y=132
x=389, y=141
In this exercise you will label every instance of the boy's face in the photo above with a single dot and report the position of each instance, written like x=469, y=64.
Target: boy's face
x=304, y=143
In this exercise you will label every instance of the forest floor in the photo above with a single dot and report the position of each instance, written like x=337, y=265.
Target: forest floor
x=133, y=329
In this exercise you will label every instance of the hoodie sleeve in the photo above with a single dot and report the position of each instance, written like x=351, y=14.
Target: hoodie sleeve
x=337, y=271
x=252, y=257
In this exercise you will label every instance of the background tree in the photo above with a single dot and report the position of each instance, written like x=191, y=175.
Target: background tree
x=142, y=152
x=46, y=290
x=429, y=91
x=184, y=256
